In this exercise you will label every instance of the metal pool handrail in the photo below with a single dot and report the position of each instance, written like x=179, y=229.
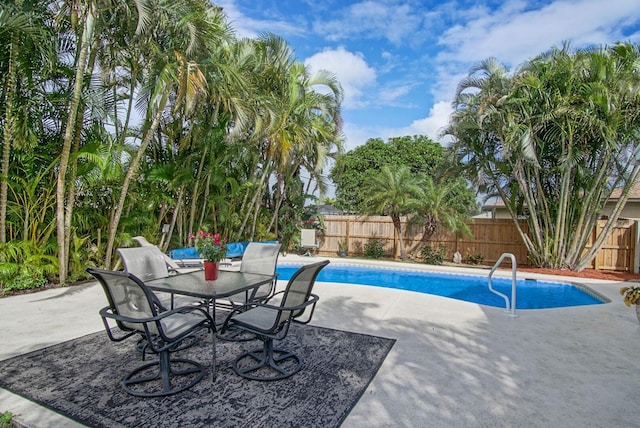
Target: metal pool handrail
x=510, y=305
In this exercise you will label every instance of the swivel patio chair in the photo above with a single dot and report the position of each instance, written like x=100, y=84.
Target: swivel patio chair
x=269, y=322
x=259, y=258
x=308, y=240
x=133, y=309
x=172, y=265
x=147, y=263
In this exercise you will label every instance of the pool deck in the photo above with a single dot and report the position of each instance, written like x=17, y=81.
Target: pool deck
x=455, y=364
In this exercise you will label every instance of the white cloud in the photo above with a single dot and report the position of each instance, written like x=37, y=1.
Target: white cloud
x=433, y=125
x=515, y=32
x=351, y=69
x=372, y=20
x=356, y=135
x=391, y=94
x=252, y=28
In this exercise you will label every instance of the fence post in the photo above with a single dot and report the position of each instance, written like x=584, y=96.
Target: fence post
x=636, y=247
x=347, y=232
x=594, y=235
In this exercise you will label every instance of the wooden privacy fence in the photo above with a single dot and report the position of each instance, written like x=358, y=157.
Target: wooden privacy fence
x=490, y=239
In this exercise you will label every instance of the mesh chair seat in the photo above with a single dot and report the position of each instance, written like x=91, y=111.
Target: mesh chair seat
x=179, y=324
x=259, y=318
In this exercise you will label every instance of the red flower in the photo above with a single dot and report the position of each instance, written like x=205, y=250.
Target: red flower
x=210, y=246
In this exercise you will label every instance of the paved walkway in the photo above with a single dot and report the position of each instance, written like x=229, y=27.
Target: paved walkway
x=455, y=364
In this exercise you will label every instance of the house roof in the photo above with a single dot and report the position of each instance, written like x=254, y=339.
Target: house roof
x=633, y=195
x=329, y=210
x=496, y=203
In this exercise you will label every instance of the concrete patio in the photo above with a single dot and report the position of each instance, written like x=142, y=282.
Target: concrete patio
x=455, y=364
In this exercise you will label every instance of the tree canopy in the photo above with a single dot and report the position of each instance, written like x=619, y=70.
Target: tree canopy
x=354, y=169
x=412, y=177
x=146, y=113
x=553, y=139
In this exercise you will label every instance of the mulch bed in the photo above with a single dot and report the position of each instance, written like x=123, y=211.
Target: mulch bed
x=606, y=275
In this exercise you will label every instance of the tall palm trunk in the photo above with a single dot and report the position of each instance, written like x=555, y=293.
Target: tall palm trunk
x=397, y=224
x=196, y=191
x=174, y=218
x=429, y=227
x=279, y=197
x=8, y=134
x=73, y=167
x=131, y=173
x=254, y=201
x=83, y=56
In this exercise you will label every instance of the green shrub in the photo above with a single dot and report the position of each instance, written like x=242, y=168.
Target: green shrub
x=374, y=248
x=474, y=259
x=433, y=256
x=24, y=278
x=5, y=420
x=26, y=266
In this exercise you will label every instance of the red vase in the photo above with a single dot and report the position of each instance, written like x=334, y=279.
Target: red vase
x=210, y=271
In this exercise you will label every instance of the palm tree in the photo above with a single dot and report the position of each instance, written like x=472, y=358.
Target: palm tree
x=560, y=126
x=170, y=73
x=295, y=123
x=441, y=204
x=28, y=48
x=89, y=20
x=393, y=192
x=310, y=129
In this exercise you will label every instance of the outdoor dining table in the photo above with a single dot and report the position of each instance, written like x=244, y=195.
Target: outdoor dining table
x=193, y=284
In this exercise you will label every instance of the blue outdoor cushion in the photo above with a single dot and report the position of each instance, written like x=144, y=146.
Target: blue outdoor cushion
x=184, y=253
x=234, y=249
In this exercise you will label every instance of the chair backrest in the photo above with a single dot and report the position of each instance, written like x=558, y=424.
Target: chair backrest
x=300, y=286
x=146, y=263
x=142, y=241
x=260, y=258
x=308, y=238
x=127, y=297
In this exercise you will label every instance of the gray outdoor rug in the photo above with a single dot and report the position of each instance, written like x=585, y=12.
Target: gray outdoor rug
x=81, y=380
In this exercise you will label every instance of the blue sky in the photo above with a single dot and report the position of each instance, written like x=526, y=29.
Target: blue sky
x=399, y=61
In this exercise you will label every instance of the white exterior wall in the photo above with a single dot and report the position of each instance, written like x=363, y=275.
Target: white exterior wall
x=631, y=210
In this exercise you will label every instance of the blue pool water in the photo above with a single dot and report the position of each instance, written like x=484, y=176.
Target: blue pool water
x=530, y=294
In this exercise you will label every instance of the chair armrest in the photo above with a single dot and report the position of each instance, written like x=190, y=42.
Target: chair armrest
x=107, y=327
x=312, y=299
x=313, y=308
x=106, y=312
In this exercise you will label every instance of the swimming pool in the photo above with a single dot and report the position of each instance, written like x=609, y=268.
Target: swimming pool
x=530, y=294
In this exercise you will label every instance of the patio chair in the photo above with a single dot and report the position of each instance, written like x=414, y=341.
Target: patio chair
x=172, y=265
x=269, y=322
x=132, y=308
x=308, y=240
x=148, y=263
x=259, y=258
